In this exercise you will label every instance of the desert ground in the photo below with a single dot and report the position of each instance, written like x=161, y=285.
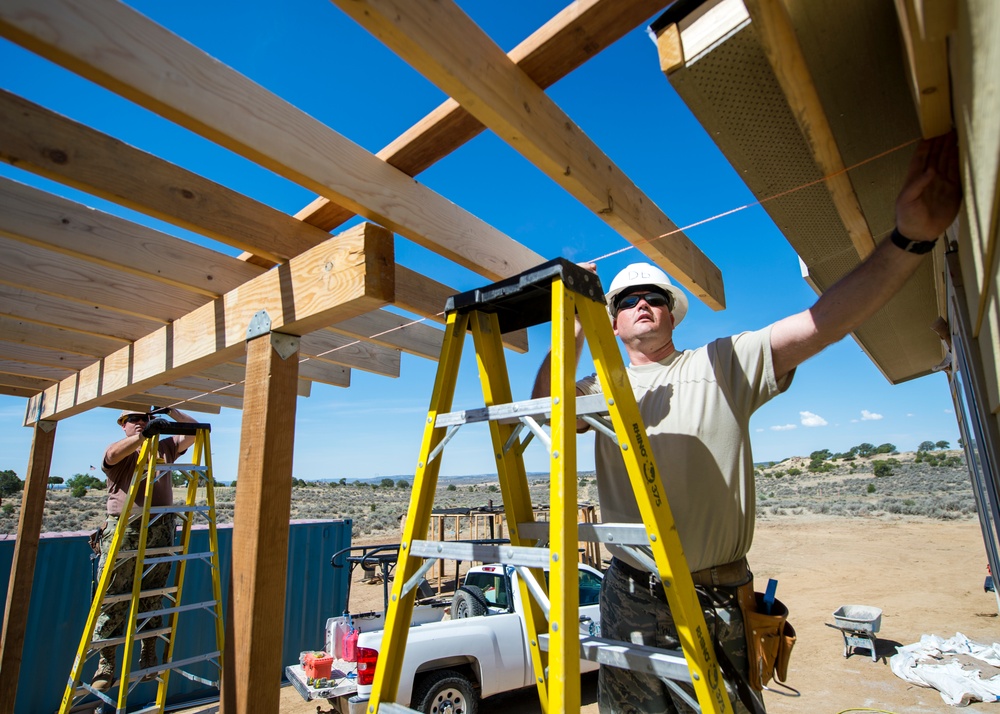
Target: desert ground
x=904, y=539
x=926, y=576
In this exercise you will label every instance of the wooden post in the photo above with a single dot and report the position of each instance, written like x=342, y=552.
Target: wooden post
x=260, y=522
x=22, y=571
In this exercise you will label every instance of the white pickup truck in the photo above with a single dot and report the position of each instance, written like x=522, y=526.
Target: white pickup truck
x=450, y=662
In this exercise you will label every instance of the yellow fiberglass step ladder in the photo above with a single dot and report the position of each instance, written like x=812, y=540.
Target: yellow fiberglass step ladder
x=553, y=291
x=149, y=468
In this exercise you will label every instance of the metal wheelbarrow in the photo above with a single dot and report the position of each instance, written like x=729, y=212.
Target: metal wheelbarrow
x=858, y=624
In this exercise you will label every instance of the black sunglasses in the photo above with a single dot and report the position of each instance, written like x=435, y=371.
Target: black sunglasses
x=136, y=418
x=652, y=299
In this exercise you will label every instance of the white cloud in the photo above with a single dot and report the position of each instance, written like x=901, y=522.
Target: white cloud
x=810, y=419
x=786, y=427
x=869, y=416
x=758, y=430
x=911, y=414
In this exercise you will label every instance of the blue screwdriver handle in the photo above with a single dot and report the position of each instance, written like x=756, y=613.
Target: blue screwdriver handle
x=772, y=586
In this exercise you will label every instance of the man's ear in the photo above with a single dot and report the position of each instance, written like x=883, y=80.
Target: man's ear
x=614, y=325
x=673, y=320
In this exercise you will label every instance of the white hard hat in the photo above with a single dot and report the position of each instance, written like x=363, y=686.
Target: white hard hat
x=126, y=413
x=646, y=275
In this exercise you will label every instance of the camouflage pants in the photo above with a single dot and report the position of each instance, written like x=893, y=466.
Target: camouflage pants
x=632, y=611
x=111, y=621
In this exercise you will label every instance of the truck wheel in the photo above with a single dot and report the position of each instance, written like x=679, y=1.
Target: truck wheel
x=445, y=691
x=469, y=601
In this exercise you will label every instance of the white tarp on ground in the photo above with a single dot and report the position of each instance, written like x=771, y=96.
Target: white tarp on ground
x=923, y=663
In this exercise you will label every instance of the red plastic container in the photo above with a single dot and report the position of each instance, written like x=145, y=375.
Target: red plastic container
x=317, y=665
x=350, y=648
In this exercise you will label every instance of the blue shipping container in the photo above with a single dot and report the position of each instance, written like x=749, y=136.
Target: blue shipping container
x=61, y=597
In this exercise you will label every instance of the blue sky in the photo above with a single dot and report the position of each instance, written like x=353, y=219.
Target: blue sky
x=313, y=56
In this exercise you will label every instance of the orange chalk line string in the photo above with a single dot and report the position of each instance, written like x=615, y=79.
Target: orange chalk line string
x=689, y=226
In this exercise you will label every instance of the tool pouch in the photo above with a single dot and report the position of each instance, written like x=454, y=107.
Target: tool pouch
x=769, y=637
x=95, y=539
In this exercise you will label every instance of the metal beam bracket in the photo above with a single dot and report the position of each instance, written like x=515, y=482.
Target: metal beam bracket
x=260, y=324
x=284, y=345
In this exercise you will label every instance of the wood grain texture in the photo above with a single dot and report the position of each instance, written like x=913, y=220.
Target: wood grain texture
x=22, y=571
x=925, y=37
x=63, y=276
x=36, y=139
x=777, y=36
x=56, y=338
x=669, y=49
x=70, y=313
x=260, y=528
x=442, y=43
x=394, y=331
x=70, y=228
x=120, y=49
x=334, y=348
x=344, y=277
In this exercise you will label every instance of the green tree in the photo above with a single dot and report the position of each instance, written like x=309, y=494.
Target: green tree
x=451, y=487
x=926, y=446
x=178, y=478
x=865, y=449
x=388, y=483
x=343, y=482
x=821, y=455
x=871, y=488
x=85, y=481
x=56, y=480
x=882, y=468
x=943, y=445
x=885, y=449
x=402, y=483
x=10, y=483
x=78, y=490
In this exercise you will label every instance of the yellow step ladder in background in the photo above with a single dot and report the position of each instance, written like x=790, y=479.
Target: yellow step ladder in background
x=197, y=474
x=556, y=291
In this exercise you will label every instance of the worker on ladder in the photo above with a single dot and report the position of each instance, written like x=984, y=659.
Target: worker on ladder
x=696, y=405
x=119, y=466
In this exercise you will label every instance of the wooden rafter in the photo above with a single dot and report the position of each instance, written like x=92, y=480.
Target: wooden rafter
x=569, y=39
x=118, y=48
x=777, y=36
x=344, y=277
x=38, y=140
x=445, y=45
x=925, y=27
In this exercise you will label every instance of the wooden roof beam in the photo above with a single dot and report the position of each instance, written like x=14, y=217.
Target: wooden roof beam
x=70, y=228
x=38, y=140
x=578, y=32
x=70, y=312
x=446, y=46
x=342, y=278
x=777, y=36
x=120, y=49
x=925, y=27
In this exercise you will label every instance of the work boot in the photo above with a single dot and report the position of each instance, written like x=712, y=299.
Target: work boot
x=148, y=658
x=104, y=677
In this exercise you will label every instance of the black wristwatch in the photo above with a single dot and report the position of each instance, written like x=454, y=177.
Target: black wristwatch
x=911, y=246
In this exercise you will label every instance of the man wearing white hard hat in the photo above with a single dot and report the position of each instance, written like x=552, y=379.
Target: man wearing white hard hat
x=120, y=459
x=696, y=405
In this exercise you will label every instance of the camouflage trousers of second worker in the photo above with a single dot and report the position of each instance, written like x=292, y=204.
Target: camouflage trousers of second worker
x=111, y=622
x=633, y=611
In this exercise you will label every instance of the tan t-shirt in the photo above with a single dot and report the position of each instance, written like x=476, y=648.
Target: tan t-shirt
x=120, y=477
x=696, y=406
